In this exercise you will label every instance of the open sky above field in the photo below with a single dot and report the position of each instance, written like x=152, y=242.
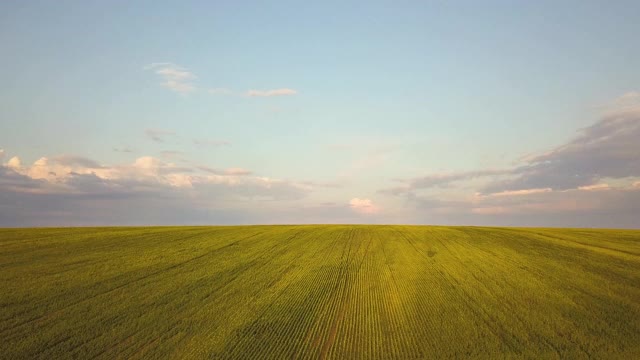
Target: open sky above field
x=491, y=113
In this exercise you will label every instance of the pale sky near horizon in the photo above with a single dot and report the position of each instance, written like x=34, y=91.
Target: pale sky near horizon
x=424, y=112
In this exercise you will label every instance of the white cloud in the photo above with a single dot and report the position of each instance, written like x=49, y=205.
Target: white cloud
x=175, y=73
x=42, y=169
x=363, y=206
x=1, y=154
x=274, y=92
x=14, y=162
x=151, y=172
x=71, y=190
x=181, y=80
x=174, y=77
x=147, y=163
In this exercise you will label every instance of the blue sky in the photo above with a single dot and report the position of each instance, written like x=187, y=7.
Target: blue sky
x=290, y=112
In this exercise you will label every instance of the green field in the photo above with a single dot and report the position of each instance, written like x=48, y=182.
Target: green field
x=341, y=292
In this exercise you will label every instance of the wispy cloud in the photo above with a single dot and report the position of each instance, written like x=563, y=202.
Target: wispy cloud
x=523, y=192
x=181, y=80
x=441, y=180
x=171, y=154
x=227, y=172
x=159, y=135
x=237, y=172
x=324, y=184
x=174, y=77
x=269, y=93
x=596, y=187
x=124, y=149
x=210, y=142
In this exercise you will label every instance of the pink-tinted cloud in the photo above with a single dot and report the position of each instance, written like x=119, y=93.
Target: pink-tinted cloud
x=237, y=172
x=274, y=92
x=596, y=187
x=521, y=192
x=14, y=162
x=363, y=206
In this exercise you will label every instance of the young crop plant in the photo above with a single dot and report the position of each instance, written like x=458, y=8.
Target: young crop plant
x=325, y=292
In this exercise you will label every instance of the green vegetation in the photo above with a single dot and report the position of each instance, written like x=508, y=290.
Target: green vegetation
x=345, y=292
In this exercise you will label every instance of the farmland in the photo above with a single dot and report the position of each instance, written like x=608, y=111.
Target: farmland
x=325, y=291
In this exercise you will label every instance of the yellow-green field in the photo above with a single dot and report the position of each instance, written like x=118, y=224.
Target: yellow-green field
x=340, y=292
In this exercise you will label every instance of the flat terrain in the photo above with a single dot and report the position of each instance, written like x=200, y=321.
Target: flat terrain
x=342, y=292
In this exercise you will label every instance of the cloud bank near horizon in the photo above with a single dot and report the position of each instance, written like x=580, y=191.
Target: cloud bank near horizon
x=592, y=180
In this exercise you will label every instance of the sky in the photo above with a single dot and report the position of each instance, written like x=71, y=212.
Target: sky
x=501, y=113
